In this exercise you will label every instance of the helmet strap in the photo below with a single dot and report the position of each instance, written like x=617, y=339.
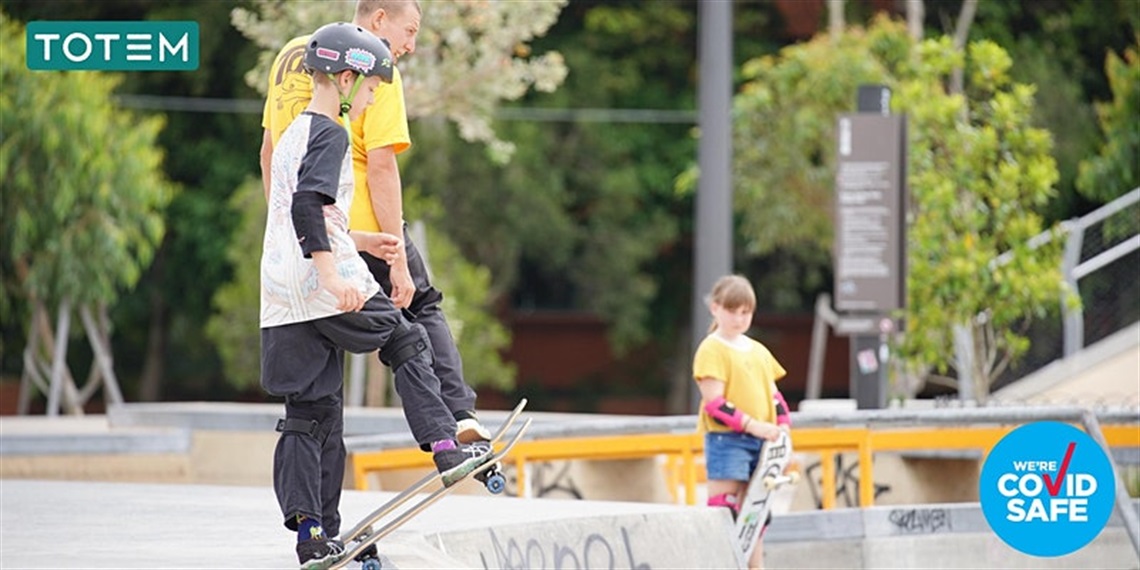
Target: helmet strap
x=346, y=100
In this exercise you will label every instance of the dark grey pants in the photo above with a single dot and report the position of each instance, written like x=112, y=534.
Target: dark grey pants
x=304, y=363
x=425, y=310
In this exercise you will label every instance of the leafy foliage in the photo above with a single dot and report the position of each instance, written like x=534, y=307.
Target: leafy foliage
x=467, y=302
x=83, y=183
x=978, y=172
x=234, y=325
x=1116, y=168
x=584, y=217
x=469, y=55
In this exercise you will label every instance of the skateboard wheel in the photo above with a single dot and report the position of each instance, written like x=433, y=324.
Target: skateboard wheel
x=496, y=483
x=371, y=564
x=794, y=476
x=769, y=483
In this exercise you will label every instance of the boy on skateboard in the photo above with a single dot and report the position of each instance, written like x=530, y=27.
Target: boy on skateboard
x=318, y=299
x=379, y=134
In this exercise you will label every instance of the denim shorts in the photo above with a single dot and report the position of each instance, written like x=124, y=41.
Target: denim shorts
x=731, y=456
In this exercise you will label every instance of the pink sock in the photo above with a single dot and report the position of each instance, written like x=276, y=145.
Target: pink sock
x=443, y=444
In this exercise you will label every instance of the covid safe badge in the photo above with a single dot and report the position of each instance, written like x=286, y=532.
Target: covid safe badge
x=1047, y=489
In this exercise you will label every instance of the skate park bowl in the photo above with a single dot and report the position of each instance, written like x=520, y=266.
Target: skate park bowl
x=162, y=470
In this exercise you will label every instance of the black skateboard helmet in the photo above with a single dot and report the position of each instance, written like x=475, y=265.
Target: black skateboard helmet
x=334, y=48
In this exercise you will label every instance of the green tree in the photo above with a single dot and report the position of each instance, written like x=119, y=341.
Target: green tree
x=1116, y=168
x=469, y=57
x=83, y=186
x=1060, y=46
x=234, y=325
x=978, y=175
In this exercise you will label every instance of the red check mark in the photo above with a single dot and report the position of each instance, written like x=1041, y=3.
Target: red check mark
x=1052, y=486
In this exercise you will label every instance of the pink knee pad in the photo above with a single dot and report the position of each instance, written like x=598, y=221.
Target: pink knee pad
x=725, y=500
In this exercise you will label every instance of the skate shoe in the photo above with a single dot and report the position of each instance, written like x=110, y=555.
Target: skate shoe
x=317, y=553
x=468, y=429
x=456, y=460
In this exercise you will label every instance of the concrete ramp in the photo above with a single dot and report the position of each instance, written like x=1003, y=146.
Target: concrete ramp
x=1106, y=373
x=483, y=531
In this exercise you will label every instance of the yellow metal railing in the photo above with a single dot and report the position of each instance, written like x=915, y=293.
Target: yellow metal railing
x=685, y=452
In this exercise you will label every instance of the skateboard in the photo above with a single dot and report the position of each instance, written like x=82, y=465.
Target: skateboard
x=768, y=477
x=360, y=539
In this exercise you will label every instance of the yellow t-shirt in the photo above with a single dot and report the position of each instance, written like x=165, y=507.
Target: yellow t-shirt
x=383, y=123
x=290, y=88
x=749, y=372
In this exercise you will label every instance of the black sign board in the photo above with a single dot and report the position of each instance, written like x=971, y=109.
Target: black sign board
x=869, y=214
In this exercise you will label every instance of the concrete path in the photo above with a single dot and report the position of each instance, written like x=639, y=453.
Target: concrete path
x=49, y=524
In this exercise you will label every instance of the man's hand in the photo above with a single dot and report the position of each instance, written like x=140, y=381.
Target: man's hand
x=402, y=286
x=379, y=245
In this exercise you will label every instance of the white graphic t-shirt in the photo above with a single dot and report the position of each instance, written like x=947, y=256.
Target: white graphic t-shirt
x=305, y=158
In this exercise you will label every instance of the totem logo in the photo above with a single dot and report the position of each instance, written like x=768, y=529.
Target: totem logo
x=1047, y=489
x=117, y=46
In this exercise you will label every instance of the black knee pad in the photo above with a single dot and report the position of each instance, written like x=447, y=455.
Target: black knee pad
x=316, y=419
x=407, y=341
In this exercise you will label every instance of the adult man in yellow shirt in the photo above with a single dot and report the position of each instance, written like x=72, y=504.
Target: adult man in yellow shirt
x=378, y=136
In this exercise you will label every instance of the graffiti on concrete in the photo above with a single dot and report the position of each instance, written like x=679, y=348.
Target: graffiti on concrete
x=553, y=480
x=594, y=552
x=846, y=483
x=920, y=521
x=546, y=480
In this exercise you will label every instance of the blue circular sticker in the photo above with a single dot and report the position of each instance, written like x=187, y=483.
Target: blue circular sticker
x=1047, y=489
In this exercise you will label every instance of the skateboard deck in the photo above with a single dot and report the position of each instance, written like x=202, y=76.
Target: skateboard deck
x=362, y=536
x=769, y=476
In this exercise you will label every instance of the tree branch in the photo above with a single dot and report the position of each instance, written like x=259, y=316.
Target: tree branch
x=961, y=34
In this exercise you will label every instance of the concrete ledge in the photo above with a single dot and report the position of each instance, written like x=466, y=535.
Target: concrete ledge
x=232, y=416
x=1111, y=549
x=694, y=538
x=89, y=435
x=889, y=521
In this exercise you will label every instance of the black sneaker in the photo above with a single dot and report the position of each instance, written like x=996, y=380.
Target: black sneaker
x=319, y=553
x=455, y=464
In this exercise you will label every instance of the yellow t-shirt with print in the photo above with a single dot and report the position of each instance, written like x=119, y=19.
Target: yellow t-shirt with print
x=749, y=372
x=383, y=123
x=290, y=88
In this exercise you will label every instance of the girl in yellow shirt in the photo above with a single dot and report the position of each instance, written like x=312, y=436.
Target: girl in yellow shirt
x=739, y=400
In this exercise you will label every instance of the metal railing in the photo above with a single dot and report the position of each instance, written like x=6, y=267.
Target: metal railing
x=1096, y=246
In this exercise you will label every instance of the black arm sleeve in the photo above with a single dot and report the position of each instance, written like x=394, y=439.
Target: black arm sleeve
x=317, y=180
x=324, y=156
x=309, y=222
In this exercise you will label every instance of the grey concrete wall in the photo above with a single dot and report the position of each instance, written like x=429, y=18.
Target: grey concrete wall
x=694, y=538
x=922, y=536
